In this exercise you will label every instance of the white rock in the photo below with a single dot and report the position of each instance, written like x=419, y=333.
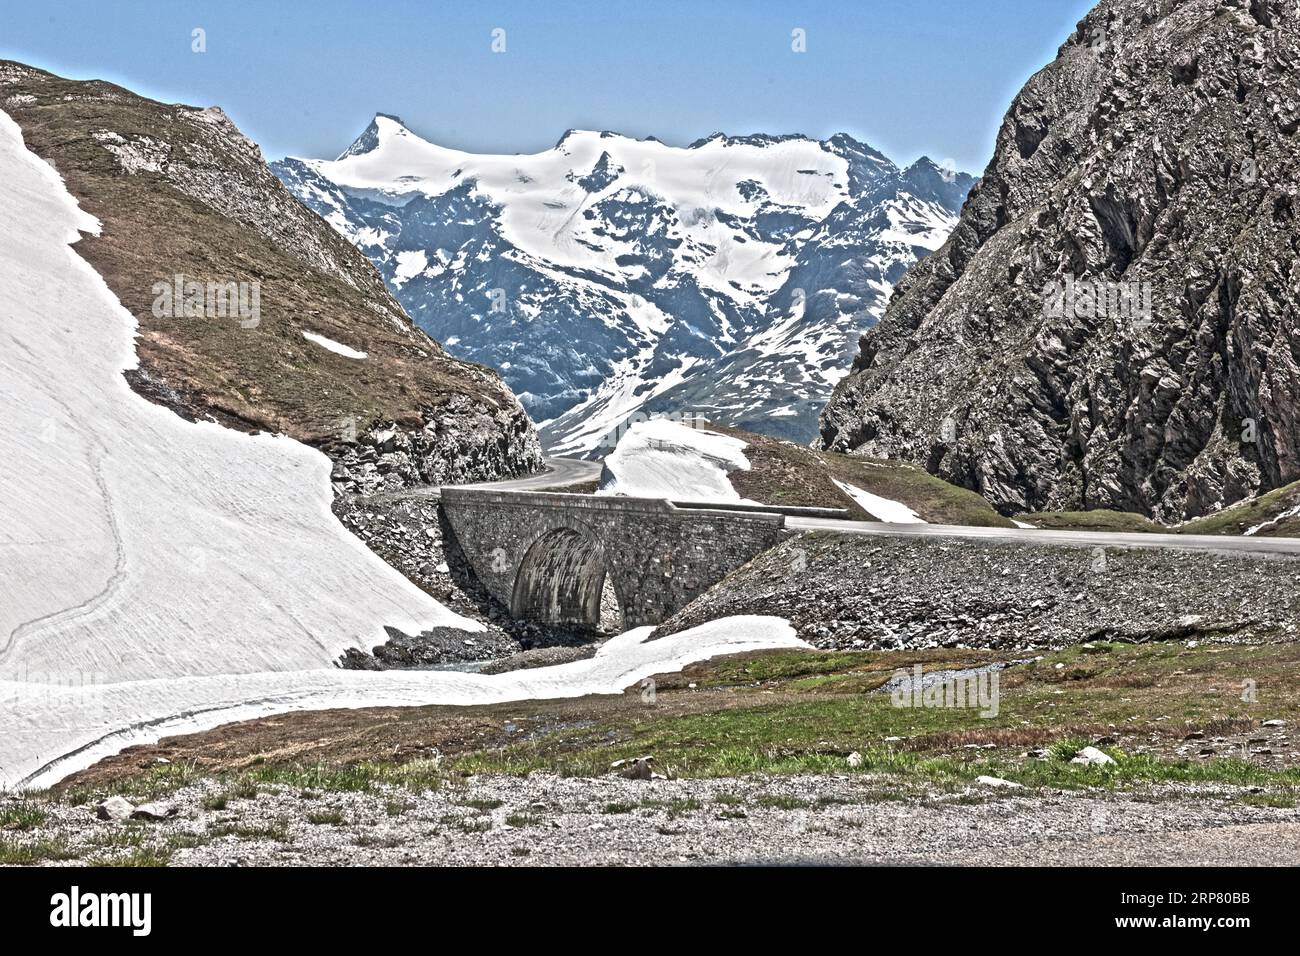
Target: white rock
x=114, y=808
x=999, y=782
x=1274, y=723
x=637, y=768
x=1091, y=757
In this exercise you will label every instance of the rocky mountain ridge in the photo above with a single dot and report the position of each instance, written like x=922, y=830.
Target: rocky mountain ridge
x=1113, y=323
x=251, y=310
x=609, y=276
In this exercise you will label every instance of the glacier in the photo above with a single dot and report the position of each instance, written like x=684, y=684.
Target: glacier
x=609, y=275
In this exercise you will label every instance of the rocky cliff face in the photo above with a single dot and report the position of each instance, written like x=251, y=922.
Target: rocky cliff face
x=252, y=310
x=1113, y=323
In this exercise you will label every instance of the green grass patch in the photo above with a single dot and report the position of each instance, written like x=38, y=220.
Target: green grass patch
x=1064, y=702
x=330, y=818
x=21, y=816
x=148, y=785
x=1283, y=799
x=784, y=666
x=481, y=804
x=144, y=856
x=385, y=842
x=1099, y=519
x=1238, y=518
x=416, y=776
x=278, y=831
x=15, y=851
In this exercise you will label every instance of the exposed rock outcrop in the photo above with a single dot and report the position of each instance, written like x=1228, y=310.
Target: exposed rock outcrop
x=845, y=592
x=1153, y=163
x=252, y=310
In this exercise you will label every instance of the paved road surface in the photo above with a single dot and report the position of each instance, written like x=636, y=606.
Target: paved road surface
x=573, y=471
x=1081, y=539
x=558, y=473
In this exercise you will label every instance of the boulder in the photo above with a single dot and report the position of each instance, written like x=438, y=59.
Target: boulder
x=114, y=808
x=1092, y=757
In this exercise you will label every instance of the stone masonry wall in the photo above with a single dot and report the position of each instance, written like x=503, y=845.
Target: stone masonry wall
x=658, y=556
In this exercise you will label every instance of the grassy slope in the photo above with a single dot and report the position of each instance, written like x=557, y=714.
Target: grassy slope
x=783, y=473
x=787, y=713
x=1248, y=514
x=822, y=712
x=1233, y=520
x=1098, y=520
x=214, y=212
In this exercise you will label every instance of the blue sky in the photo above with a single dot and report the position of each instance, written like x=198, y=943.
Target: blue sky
x=304, y=78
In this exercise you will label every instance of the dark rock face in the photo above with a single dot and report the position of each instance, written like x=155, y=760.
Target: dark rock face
x=429, y=650
x=1153, y=163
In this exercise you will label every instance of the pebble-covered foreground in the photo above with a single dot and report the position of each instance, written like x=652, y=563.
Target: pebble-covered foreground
x=548, y=820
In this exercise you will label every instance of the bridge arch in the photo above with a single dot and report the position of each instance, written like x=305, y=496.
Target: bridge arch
x=562, y=576
x=546, y=556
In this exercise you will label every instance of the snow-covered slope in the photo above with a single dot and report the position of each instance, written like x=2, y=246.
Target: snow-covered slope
x=162, y=574
x=607, y=274
x=136, y=542
x=883, y=509
x=56, y=731
x=251, y=310
x=661, y=458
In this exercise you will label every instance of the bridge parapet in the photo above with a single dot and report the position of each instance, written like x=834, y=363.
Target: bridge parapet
x=546, y=555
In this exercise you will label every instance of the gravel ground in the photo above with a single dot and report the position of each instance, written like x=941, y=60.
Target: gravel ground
x=845, y=592
x=546, y=820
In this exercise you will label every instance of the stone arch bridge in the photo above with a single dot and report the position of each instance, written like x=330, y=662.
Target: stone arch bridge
x=546, y=556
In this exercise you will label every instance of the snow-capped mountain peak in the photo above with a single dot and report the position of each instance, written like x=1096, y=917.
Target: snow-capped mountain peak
x=608, y=275
x=383, y=126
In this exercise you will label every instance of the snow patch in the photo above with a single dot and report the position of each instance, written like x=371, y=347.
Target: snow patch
x=1271, y=522
x=662, y=458
x=410, y=263
x=142, y=552
x=338, y=348
x=54, y=731
x=885, y=509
